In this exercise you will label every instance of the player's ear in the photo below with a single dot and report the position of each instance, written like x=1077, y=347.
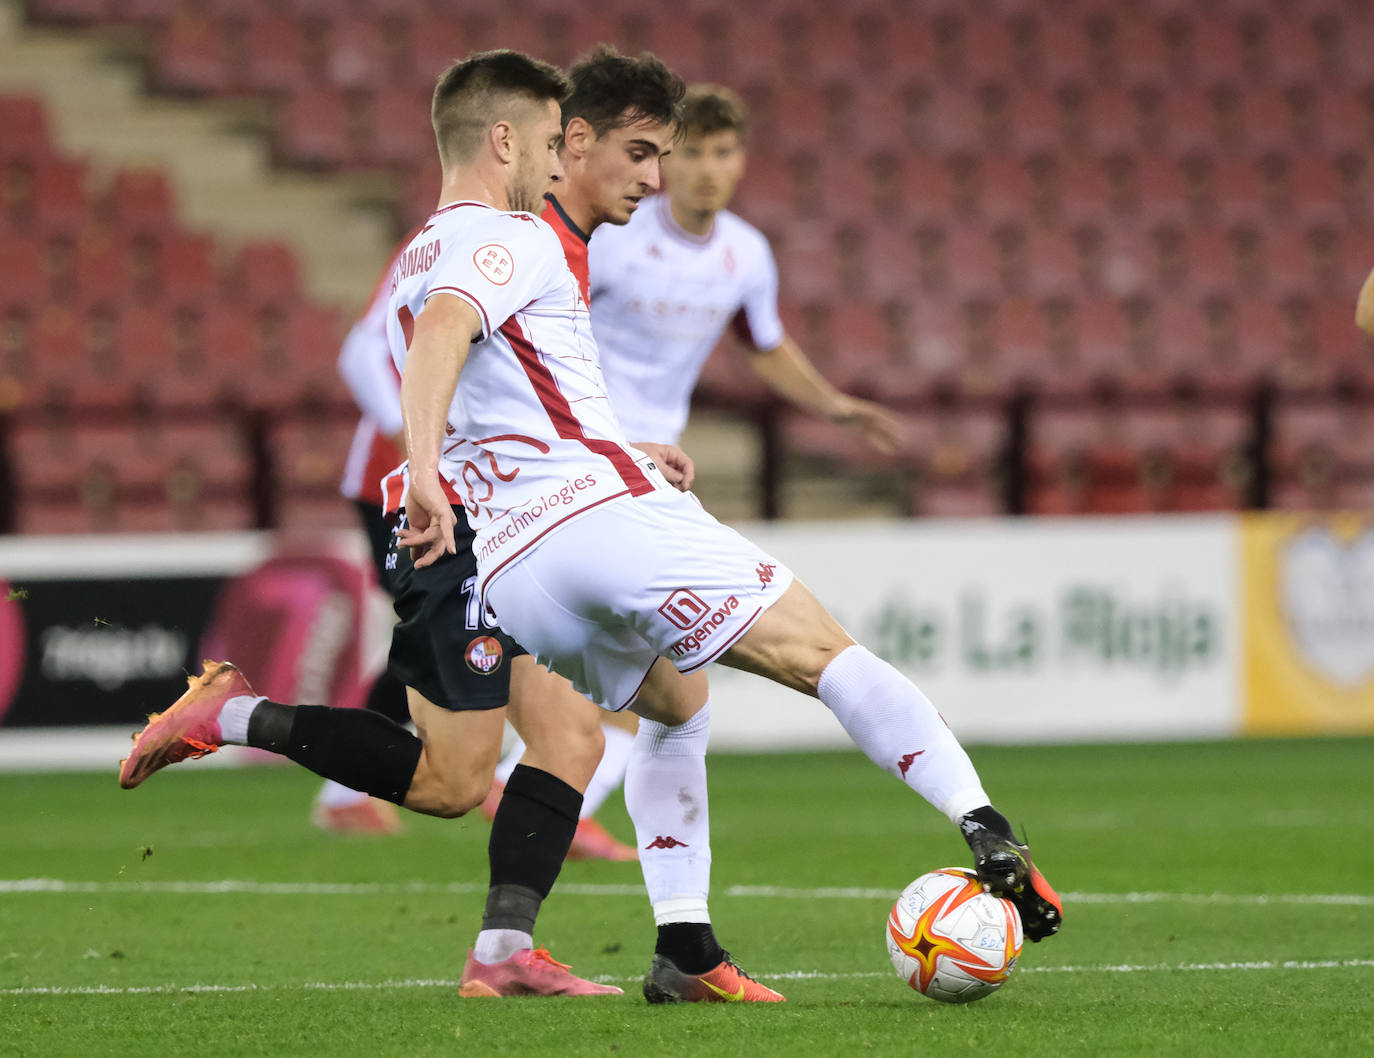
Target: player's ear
x=502, y=137
x=578, y=137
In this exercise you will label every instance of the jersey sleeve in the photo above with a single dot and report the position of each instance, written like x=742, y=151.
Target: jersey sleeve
x=498, y=267
x=366, y=366
x=757, y=322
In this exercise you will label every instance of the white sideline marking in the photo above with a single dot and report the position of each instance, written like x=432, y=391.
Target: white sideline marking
x=254, y=888
x=789, y=975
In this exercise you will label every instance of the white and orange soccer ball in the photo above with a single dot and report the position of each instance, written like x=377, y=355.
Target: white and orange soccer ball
x=950, y=940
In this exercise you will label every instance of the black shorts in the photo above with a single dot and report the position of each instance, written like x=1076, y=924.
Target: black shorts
x=378, y=531
x=442, y=645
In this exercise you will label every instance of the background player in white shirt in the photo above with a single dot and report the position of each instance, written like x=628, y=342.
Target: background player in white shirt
x=667, y=286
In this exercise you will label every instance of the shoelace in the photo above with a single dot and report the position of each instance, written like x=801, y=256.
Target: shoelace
x=730, y=962
x=542, y=955
x=201, y=749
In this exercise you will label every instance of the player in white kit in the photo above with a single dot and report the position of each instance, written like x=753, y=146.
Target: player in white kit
x=591, y=560
x=667, y=286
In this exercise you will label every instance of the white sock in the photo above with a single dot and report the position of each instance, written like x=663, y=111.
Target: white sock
x=610, y=773
x=665, y=792
x=233, y=718
x=498, y=945
x=336, y=794
x=509, y=761
x=900, y=731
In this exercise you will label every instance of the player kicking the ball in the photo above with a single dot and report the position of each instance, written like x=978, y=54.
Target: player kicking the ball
x=594, y=562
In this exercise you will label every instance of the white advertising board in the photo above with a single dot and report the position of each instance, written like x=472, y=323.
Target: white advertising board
x=1042, y=630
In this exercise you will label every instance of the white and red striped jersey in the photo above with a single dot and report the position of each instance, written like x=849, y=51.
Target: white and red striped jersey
x=532, y=441
x=367, y=369
x=662, y=298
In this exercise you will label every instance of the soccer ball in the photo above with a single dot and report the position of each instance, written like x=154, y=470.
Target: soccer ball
x=950, y=940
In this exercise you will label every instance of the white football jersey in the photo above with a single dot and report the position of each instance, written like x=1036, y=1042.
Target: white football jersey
x=532, y=440
x=662, y=298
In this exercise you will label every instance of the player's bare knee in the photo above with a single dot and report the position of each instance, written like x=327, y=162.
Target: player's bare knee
x=447, y=796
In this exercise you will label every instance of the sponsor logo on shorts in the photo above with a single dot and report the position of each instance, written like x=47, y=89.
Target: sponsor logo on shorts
x=670, y=842
x=484, y=655
x=765, y=572
x=684, y=609
x=705, y=629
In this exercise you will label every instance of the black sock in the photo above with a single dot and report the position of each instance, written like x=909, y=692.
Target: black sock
x=388, y=697
x=990, y=818
x=692, y=946
x=362, y=750
x=530, y=838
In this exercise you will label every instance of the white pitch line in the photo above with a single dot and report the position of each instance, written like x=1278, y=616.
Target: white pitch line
x=788, y=975
x=249, y=887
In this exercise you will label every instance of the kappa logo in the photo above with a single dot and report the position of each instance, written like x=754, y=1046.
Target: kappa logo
x=765, y=572
x=906, y=762
x=495, y=262
x=670, y=842
x=484, y=655
x=684, y=609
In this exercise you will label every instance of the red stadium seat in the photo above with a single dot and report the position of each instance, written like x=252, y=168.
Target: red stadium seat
x=192, y=56
x=274, y=53
x=973, y=265
x=1004, y=189
x=1266, y=118
x=1211, y=262
x=25, y=127
x=1140, y=53
x=1084, y=191
x=140, y=200
x=437, y=44
x=21, y=263
x=103, y=269
x=1289, y=268
x=265, y=272
x=60, y=203
x=401, y=134
x=1064, y=51
x=186, y=269
x=1035, y=120
x=355, y=53
x=1314, y=191
x=314, y=128
x=1052, y=263
x=1211, y=49
x=1292, y=51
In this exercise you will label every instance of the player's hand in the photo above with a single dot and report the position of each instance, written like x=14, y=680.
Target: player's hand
x=878, y=426
x=429, y=520
x=676, y=465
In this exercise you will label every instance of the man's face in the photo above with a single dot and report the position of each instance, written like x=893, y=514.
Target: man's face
x=539, y=134
x=704, y=170
x=622, y=166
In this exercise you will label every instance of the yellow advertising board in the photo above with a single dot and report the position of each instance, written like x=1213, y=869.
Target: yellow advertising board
x=1307, y=618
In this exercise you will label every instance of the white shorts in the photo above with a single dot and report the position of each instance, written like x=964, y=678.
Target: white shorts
x=601, y=599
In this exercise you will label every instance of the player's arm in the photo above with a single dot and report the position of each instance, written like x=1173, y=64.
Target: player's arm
x=366, y=368
x=1364, y=307
x=791, y=375
x=438, y=349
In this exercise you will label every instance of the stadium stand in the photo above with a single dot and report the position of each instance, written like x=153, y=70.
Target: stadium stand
x=1131, y=235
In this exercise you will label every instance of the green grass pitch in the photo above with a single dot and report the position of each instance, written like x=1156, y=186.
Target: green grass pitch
x=1218, y=901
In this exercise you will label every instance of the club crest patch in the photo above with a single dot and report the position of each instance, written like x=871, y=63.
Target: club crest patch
x=484, y=655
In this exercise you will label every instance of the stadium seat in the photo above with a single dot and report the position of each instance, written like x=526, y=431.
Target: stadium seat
x=1288, y=259
x=274, y=53
x=400, y=132
x=263, y=273
x=313, y=128
x=140, y=200
x=1211, y=262
x=60, y=202
x=1266, y=118
x=192, y=56
x=26, y=128
x=355, y=52
x=21, y=263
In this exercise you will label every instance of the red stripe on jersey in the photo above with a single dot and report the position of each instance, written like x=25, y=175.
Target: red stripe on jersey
x=561, y=414
x=407, y=324
x=381, y=457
